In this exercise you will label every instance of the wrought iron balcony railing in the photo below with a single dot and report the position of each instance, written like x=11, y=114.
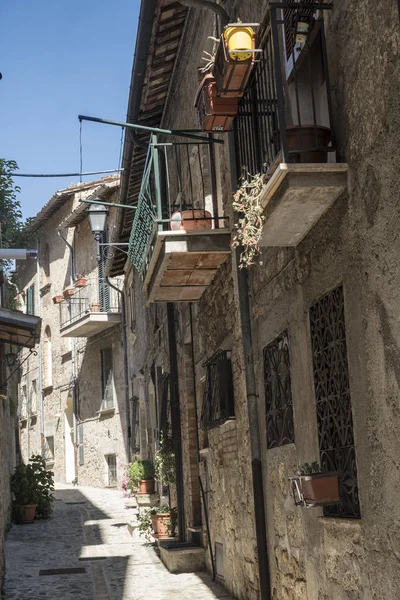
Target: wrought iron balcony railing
x=175, y=196
x=285, y=115
x=95, y=297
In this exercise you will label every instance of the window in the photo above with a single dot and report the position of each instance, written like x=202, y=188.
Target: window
x=81, y=448
x=23, y=407
x=33, y=398
x=278, y=393
x=332, y=394
x=49, y=448
x=30, y=300
x=135, y=439
x=107, y=379
x=218, y=401
x=47, y=359
x=112, y=469
x=46, y=262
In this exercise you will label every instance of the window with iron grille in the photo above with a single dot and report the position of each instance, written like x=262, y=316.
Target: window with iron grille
x=332, y=394
x=135, y=438
x=218, y=401
x=81, y=447
x=107, y=378
x=278, y=392
x=112, y=469
x=30, y=300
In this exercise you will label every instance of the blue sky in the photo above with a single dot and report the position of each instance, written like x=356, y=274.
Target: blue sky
x=60, y=59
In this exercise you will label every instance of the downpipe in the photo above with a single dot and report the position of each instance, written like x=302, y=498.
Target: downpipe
x=252, y=410
x=207, y=5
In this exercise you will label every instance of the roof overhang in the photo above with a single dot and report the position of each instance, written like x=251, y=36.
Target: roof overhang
x=102, y=191
x=19, y=329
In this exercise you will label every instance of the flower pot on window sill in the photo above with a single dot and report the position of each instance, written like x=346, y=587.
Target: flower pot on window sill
x=81, y=282
x=95, y=308
x=24, y=513
x=68, y=292
x=315, y=490
x=215, y=113
x=58, y=299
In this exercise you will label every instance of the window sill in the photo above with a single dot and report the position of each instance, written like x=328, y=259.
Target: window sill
x=106, y=411
x=45, y=289
x=48, y=388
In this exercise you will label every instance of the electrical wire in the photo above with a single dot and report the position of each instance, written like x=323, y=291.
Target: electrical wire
x=80, y=175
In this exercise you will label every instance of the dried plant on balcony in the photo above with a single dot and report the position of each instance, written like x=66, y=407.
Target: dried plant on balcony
x=209, y=58
x=248, y=228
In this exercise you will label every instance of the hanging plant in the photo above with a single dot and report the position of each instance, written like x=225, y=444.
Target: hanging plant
x=248, y=228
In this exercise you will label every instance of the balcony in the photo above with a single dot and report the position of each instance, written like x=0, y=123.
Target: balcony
x=92, y=309
x=178, y=240
x=284, y=125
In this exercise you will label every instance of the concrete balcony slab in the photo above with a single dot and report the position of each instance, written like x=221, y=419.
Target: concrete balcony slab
x=90, y=324
x=296, y=197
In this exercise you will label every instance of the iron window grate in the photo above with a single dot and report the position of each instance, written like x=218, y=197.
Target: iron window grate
x=333, y=402
x=218, y=400
x=278, y=392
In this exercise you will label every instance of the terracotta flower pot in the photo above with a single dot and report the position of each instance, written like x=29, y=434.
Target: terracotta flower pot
x=215, y=113
x=24, y=513
x=232, y=72
x=317, y=489
x=160, y=522
x=191, y=220
x=306, y=137
x=58, y=299
x=68, y=292
x=146, y=486
x=95, y=308
x=79, y=283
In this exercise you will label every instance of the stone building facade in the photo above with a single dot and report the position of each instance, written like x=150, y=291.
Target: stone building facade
x=72, y=401
x=318, y=359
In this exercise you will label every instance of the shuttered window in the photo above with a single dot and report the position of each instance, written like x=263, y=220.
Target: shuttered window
x=30, y=300
x=107, y=378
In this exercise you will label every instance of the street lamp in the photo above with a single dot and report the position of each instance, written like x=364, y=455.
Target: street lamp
x=97, y=215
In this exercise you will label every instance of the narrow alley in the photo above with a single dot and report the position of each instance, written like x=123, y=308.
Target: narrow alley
x=84, y=551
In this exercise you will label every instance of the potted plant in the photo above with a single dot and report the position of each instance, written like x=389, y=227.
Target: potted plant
x=311, y=487
x=141, y=475
x=68, y=292
x=248, y=227
x=80, y=282
x=32, y=487
x=306, y=137
x=25, y=494
x=234, y=60
x=95, y=307
x=215, y=113
x=164, y=461
x=161, y=521
x=58, y=299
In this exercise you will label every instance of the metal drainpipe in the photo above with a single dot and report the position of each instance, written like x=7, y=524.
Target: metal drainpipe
x=207, y=5
x=252, y=410
x=126, y=378
x=176, y=419
x=203, y=495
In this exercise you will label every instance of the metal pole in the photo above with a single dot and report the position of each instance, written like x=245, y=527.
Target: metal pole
x=177, y=132
x=213, y=175
x=176, y=419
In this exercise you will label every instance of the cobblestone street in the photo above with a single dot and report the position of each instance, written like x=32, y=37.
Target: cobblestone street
x=88, y=532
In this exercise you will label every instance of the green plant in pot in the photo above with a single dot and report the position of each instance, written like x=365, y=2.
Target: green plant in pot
x=31, y=486
x=164, y=461
x=25, y=493
x=141, y=476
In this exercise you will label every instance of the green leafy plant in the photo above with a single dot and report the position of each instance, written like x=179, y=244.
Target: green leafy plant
x=45, y=486
x=164, y=461
x=32, y=484
x=248, y=228
x=309, y=469
x=145, y=524
x=138, y=471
